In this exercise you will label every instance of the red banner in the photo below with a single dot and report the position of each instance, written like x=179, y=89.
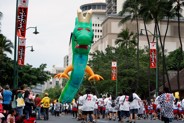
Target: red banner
x=153, y=54
x=22, y=17
x=114, y=71
x=21, y=51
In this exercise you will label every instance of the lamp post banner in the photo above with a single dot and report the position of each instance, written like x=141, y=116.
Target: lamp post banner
x=153, y=58
x=114, y=71
x=153, y=55
x=21, y=51
x=22, y=17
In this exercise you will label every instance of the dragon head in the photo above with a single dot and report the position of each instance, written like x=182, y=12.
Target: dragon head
x=82, y=36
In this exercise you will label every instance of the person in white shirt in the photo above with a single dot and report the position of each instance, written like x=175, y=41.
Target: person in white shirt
x=124, y=106
x=134, y=105
x=88, y=103
x=101, y=105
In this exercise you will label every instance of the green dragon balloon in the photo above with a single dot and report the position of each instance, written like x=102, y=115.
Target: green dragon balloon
x=82, y=38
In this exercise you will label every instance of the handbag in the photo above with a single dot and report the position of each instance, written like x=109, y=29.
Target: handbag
x=14, y=103
x=20, y=102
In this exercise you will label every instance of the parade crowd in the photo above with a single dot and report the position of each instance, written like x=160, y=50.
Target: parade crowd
x=22, y=106
x=126, y=107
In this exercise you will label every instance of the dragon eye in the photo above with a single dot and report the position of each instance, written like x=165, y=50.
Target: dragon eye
x=88, y=29
x=79, y=29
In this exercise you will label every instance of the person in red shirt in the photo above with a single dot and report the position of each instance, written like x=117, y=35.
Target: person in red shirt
x=37, y=104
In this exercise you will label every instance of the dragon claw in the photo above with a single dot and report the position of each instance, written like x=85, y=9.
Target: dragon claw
x=61, y=75
x=96, y=77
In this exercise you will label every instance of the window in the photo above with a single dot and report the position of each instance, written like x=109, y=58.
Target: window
x=100, y=30
x=98, y=25
x=93, y=7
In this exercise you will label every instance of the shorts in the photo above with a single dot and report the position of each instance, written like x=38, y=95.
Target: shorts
x=87, y=112
x=79, y=111
x=125, y=113
x=133, y=111
x=95, y=112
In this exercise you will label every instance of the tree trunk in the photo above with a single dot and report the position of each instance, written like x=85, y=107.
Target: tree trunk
x=149, y=57
x=163, y=54
x=137, y=84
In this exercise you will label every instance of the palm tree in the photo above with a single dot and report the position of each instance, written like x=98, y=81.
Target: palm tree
x=126, y=38
x=179, y=10
x=5, y=45
x=156, y=10
x=130, y=11
x=1, y=14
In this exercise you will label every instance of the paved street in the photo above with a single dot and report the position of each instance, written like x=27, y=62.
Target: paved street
x=68, y=119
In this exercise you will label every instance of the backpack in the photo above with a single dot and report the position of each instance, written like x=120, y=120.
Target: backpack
x=130, y=99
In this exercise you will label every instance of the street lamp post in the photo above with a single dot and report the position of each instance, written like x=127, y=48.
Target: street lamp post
x=115, y=67
x=32, y=50
x=156, y=36
x=15, y=70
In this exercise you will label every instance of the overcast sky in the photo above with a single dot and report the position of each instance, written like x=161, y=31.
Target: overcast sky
x=55, y=21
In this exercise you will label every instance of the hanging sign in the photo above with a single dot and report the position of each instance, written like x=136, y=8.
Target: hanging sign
x=21, y=51
x=114, y=71
x=153, y=51
x=22, y=17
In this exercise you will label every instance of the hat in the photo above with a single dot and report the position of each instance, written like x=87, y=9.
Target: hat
x=46, y=94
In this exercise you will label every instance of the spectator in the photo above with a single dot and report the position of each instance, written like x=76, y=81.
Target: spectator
x=37, y=101
x=28, y=104
x=1, y=100
x=7, y=98
x=20, y=103
x=166, y=101
x=11, y=116
x=46, y=104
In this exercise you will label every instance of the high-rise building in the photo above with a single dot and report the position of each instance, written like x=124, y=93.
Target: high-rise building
x=99, y=9
x=114, y=6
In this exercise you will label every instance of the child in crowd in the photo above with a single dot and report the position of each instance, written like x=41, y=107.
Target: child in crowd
x=11, y=116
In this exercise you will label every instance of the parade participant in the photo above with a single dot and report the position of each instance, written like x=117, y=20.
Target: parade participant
x=74, y=109
x=124, y=106
x=88, y=102
x=46, y=104
x=101, y=106
x=57, y=108
x=166, y=101
x=79, y=103
x=134, y=105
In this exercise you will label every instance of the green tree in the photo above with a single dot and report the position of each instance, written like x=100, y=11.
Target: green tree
x=54, y=93
x=130, y=11
x=31, y=76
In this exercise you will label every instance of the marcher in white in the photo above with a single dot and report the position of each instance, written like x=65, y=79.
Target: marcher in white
x=88, y=103
x=134, y=105
x=124, y=106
